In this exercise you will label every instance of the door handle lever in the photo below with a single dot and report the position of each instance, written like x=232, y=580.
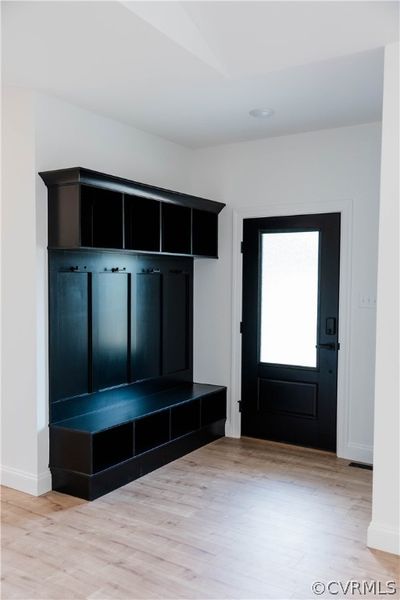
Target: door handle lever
x=331, y=346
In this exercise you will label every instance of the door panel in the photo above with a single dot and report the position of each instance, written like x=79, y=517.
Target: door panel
x=290, y=325
x=287, y=397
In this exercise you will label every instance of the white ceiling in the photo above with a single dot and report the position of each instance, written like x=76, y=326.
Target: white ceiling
x=191, y=71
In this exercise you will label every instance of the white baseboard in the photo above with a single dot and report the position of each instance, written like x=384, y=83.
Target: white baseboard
x=351, y=451
x=32, y=484
x=231, y=431
x=383, y=538
x=357, y=453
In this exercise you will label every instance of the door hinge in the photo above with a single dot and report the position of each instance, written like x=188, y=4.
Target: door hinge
x=241, y=247
x=241, y=327
x=240, y=405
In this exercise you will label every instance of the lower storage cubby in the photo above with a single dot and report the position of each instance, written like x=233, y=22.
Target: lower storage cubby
x=185, y=418
x=151, y=431
x=112, y=446
x=213, y=408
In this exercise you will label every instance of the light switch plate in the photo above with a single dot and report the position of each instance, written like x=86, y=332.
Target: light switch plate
x=367, y=301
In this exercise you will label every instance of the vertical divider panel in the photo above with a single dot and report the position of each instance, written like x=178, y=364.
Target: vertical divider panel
x=175, y=322
x=129, y=330
x=191, y=231
x=161, y=352
x=123, y=222
x=161, y=228
x=110, y=329
x=69, y=335
x=133, y=438
x=90, y=334
x=146, y=335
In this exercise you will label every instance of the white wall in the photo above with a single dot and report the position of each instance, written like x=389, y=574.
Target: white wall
x=384, y=530
x=67, y=135
x=19, y=327
x=42, y=133
x=319, y=167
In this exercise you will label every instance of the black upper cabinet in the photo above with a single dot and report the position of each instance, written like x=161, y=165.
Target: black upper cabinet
x=91, y=209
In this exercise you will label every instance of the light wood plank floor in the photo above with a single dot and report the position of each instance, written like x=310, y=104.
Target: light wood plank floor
x=235, y=519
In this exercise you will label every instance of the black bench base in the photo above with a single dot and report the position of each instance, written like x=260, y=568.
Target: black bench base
x=90, y=487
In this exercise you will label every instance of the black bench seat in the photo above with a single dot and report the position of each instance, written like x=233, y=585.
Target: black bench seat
x=126, y=404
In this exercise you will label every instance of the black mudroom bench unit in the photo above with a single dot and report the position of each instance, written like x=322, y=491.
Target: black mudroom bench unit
x=122, y=397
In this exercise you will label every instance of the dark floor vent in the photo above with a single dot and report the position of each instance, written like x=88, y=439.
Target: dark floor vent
x=360, y=466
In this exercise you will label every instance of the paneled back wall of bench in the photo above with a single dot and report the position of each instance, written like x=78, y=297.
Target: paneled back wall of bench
x=117, y=318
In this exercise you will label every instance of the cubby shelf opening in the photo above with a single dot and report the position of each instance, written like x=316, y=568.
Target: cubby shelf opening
x=204, y=233
x=142, y=224
x=213, y=408
x=176, y=229
x=101, y=218
x=151, y=431
x=185, y=418
x=112, y=446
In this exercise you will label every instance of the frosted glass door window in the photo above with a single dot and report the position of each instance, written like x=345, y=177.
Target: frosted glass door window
x=289, y=298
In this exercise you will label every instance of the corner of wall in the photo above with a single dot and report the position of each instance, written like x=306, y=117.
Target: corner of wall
x=29, y=483
x=382, y=537
x=357, y=452
x=384, y=530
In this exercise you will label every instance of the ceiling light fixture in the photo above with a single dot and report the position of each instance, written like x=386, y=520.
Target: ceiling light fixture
x=261, y=113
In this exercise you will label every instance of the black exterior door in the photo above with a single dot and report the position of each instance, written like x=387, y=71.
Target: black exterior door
x=290, y=329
